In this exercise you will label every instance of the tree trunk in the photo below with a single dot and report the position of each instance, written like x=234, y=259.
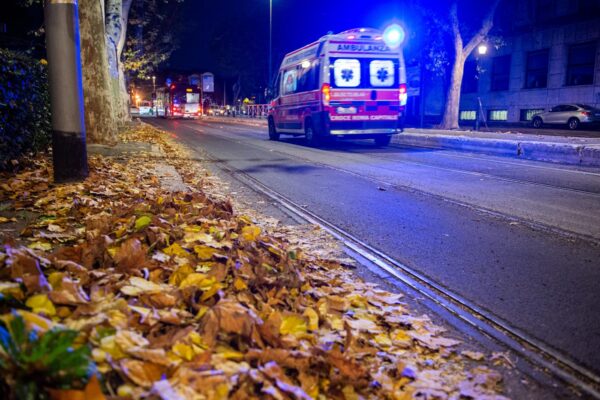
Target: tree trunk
x=100, y=118
x=116, y=26
x=451, y=110
x=120, y=46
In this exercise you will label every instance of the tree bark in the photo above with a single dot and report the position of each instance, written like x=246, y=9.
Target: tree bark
x=100, y=121
x=116, y=28
x=120, y=46
x=452, y=107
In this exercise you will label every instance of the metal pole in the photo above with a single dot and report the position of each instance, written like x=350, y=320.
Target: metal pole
x=270, y=41
x=422, y=95
x=69, y=154
x=202, y=94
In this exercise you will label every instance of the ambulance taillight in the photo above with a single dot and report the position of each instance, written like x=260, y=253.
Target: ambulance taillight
x=326, y=93
x=403, y=94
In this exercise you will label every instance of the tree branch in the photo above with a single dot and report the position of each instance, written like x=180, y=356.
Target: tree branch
x=455, y=26
x=487, y=25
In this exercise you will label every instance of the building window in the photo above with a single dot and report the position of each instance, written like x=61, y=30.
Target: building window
x=498, y=115
x=468, y=115
x=588, y=7
x=582, y=59
x=500, y=73
x=470, y=79
x=527, y=114
x=545, y=10
x=537, y=69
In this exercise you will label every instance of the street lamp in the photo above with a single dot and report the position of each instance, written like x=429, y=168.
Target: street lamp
x=482, y=50
x=154, y=83
x=270, y=41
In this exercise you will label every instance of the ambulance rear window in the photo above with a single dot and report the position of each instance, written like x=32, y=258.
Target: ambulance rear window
x=382, y=73
x=347, y=72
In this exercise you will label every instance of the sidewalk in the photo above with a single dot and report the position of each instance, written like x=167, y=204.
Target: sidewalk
x=166, y=291
x=584, y=151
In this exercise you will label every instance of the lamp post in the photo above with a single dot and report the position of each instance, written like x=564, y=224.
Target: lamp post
x=69, y=154
x=270, y=41
x=482, y=50
x=154, y=83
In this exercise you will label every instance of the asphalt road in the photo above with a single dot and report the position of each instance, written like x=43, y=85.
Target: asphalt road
x=519, y=239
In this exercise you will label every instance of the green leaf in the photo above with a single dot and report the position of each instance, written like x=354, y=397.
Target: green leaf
x=142, y=222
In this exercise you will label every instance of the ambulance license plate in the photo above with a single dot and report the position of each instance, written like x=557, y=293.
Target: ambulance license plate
x=346, y=110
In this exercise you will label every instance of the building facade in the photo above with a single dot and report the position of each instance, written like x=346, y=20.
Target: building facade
x=550, y=56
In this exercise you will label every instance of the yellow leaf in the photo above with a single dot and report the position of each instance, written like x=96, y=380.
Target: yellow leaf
x=204, y=253
x=229, y=353
x=41, y=304
x=4, y=220
x=201, y=312
x=55, y=279
x=11, y=288
x=120, y=232
x=358, y=301
x=211, y=291
x=136, y=286
x=160, y=200
x=109, y=345
x=250, y=233
x=335, y=322
x=401, y=338
x=183, y=350
x=113, y=251
x=313, y=319
x=293, y=325
x=32, y=321
x=142, y=222
x=193, y=237
x=196, y=279
x=180, y=274
x=176, y=250
x=383, y=339
x=43, y=246
x=239, y=284
x=349, y=393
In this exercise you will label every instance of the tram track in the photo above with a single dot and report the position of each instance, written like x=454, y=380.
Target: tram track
x=526, y=346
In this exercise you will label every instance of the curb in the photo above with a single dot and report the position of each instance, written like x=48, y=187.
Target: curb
x=561, y=153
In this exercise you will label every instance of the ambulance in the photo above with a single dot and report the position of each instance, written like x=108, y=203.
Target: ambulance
x=346, y=85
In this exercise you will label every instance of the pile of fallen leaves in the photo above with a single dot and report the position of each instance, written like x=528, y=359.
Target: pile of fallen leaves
x=178, y=297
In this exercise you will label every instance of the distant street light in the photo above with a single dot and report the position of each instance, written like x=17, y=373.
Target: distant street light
x=154, y=83
x=482, y=49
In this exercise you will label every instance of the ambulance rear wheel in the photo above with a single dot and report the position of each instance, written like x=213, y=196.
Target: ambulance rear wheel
x=273, y=134
x=311, y=135
x=383, y=141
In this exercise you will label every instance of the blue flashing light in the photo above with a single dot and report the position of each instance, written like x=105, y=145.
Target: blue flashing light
x=394, y=36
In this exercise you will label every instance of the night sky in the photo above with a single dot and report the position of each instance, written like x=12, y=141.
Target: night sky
x=295, y=24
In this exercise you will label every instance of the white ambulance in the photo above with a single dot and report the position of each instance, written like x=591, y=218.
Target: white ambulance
x=346, y=85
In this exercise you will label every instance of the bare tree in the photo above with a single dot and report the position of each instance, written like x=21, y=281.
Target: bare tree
x=461, y=53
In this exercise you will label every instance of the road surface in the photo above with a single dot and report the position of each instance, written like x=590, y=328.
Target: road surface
x=519, y=239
